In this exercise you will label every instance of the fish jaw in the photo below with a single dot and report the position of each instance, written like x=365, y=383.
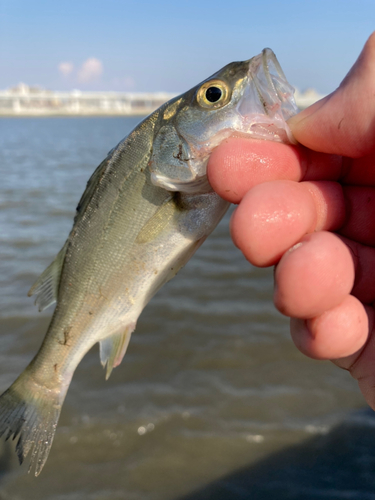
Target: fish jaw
x=267, y=101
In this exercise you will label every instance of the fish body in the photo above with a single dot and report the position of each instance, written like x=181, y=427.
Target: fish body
x=145, y=211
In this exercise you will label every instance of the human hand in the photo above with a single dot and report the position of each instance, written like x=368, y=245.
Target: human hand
x=310, y=210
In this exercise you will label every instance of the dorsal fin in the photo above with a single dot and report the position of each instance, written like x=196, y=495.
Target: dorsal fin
x=47, y=286
x=92, y=183
x=113, y=349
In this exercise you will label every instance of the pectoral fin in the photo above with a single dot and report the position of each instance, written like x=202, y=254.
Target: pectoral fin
x=160, y=220
x=196, y=185
x=113, y=349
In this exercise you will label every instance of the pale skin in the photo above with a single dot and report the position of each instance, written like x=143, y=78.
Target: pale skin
x=310, y=211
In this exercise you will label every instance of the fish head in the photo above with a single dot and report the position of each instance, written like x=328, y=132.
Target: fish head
x=251, y=98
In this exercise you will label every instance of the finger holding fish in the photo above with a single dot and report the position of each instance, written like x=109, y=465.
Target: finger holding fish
x=240, y=163
x=275, y=215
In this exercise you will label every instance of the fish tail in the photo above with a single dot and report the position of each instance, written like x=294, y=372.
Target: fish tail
x=31, y=411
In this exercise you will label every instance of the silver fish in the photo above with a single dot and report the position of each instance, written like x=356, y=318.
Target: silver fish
x=145, y=211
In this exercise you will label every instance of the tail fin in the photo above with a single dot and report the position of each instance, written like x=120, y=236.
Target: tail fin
x=30, y=411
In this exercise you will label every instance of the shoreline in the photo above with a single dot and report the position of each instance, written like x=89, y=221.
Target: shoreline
x=24, y=102
x=59, y=114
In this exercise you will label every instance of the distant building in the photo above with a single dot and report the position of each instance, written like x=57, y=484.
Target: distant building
x=24, y=100
x=306, y=98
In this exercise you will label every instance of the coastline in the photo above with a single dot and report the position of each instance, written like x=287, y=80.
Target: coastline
x=68, y=114
x=24, y=101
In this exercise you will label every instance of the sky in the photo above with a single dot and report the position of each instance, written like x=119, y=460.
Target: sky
x=166, y=45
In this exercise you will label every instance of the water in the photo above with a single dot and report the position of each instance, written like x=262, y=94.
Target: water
x=212, y=400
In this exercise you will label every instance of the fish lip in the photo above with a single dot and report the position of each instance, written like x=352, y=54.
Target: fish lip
x=270, y=81
x=267, y=101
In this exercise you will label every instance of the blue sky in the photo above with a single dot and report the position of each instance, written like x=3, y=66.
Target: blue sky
x=172, y=45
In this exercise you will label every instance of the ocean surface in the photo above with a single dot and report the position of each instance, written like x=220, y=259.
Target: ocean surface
x=212, y=400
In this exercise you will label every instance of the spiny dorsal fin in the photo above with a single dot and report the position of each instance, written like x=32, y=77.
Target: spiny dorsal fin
x=47, y=285
x=113, y=349
x=93, y=183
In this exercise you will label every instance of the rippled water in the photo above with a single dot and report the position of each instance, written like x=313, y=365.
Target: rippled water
x=212, y=400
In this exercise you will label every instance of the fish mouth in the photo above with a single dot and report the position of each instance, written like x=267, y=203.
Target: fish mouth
x=268, y=100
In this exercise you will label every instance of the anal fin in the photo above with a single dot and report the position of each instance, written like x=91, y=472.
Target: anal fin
x=113, y=349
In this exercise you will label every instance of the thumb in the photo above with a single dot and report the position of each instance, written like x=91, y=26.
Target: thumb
x=343, y=123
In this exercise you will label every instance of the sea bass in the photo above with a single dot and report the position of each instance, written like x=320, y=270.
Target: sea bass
x=145, y=211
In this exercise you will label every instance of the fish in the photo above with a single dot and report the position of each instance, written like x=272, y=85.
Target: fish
x=145, y=211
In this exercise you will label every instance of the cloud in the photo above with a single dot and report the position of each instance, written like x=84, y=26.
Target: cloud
x=65, y=68
x=90, y=70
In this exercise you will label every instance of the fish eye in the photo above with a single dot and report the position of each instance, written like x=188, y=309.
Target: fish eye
x=213, y=94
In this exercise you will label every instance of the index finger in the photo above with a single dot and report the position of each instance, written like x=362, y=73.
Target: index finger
x=238, y=164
